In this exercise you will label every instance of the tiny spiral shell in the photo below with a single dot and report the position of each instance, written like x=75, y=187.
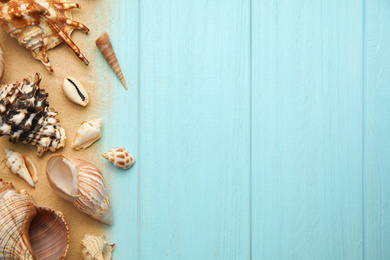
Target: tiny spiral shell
x=120, y=158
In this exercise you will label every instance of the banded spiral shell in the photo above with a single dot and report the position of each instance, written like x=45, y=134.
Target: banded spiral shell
x=41, y=25
x=27, y=231
x=25, y=116
x=96, y=248
x=120, y=158
x=81, y=183
x=2, y=66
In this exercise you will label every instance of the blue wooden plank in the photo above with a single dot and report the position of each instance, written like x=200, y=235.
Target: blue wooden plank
x=377, y=130
x=120, y=126
x=194, y=130
x=307, y=130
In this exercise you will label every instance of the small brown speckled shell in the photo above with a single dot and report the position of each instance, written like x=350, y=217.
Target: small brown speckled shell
x=40, y=25
x=120, y=158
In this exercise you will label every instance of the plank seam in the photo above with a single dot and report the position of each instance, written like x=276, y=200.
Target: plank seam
x=364, y=249
x=250, y=128
x=139, y=133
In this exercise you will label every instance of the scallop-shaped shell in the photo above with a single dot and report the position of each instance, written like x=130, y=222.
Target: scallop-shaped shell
x=2, y=66
x=88, y=133
x=105, y=47
x=81, y=183
x=25, y=116
x=96, y=248
x=22, y=166
x=120, y=158
x=29, y=232
x=40, y=25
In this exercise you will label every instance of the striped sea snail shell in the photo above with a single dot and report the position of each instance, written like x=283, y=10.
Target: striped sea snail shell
x=120, y=158
x=96, y=248
x=29, y=232
x=22, y=166
x=81, y=183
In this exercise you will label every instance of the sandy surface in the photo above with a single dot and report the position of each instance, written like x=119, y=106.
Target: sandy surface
x=20, y=64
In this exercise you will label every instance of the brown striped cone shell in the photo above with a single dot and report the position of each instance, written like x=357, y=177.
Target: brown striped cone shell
x=81, y=183
x=96, y=248
x=88, y=133
x=22, y=166
x=41, y=25
x=25, y=116
x=2, y=65
x=105, y=47
x=120, y=158
x=27, y=231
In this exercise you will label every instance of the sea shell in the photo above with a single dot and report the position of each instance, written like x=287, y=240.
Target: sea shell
x=96, y=248
x=88, y=133
x=2, y=66
x=40, y=25
x=75, y=91
x=25, y=116
x=22, y=166
x=120, y=158
x=29, y=232
x=105, y=47
x=81, y=183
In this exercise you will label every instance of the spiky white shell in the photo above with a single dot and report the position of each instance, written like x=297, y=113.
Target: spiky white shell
x=120, y=158
x=81, y=183
x=96, y=248
x=17, y=164
x=88, y=133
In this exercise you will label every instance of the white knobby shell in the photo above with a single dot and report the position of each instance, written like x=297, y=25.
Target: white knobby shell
x=88, y=133
x=81, y=183
x=120, y=158
x=27, y=231
x=17, y=164
x=96, y=248
x=75, y=91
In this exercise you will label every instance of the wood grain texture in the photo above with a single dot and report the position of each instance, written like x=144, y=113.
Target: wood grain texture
x=194, y=130
x=307, y=130
x=377, y=130
x=120, y=126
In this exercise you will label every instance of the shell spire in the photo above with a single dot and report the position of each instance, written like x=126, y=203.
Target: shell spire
x=25, y=116
x=41, y=25
x=105, y=47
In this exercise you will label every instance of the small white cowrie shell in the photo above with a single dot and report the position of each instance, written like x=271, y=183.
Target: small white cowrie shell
x=75, y=91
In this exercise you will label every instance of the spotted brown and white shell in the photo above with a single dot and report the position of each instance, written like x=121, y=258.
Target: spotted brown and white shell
x=27, y=231
x=120, y=158
x=96, y=248
x=25, y=116
x=41, y=25
x=22, y=166
x=81, y=183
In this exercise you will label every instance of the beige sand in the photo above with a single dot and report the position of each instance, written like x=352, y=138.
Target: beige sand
x=20, y=64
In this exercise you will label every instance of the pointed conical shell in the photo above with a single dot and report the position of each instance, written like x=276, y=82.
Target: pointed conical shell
x=1, y=62
x=105, y=47
x=81, y=183
x=17, y=165
x=88, y=133
x=25, y=116
x=27, y=231
x=96, y=248
x=120, y=158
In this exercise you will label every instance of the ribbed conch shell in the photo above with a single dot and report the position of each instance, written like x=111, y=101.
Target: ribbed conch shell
x=2, y=66
x=25, y=116
x=27, y=231
x=120, y=158
x=96, y=248
x=105, y=47
x=81, y=183
x=88, y=133
x=22, y=166
x=40, y=25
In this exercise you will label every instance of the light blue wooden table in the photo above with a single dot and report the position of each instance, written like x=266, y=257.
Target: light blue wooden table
x=261, y=129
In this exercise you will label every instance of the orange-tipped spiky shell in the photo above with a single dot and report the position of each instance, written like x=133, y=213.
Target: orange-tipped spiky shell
x=105, y=47
x=40, y=25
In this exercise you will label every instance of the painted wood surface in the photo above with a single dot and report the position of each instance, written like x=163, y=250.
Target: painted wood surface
x=260, y=129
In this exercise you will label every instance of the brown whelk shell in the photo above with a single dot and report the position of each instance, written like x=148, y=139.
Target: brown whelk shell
x=27, y=231
x=40, y=25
